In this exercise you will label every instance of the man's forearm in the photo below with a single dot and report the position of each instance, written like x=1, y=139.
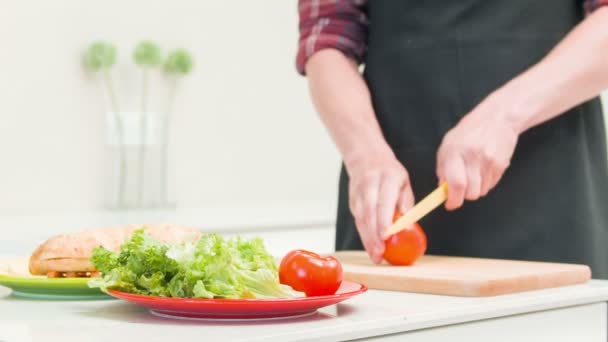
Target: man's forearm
x=343, y=101
x=575, y=71
x=378, y=183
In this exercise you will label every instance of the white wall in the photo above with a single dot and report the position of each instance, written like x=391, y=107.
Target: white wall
x=245, y=130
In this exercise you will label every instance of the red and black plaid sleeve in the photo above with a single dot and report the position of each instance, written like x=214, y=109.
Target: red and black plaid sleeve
x=337, y=24
x=342, y=25
x=592, y=5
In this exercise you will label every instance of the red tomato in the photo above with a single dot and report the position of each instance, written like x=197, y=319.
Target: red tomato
x=310, y=273
x=405, y=247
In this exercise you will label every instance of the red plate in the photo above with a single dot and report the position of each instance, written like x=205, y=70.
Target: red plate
x=238, y=309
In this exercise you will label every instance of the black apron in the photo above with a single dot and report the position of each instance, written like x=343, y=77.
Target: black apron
x=428, y=64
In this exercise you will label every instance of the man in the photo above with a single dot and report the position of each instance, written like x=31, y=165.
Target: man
x=497, y=98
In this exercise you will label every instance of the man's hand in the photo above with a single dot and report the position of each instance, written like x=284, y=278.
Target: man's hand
x=379, y=184
x=475, y=153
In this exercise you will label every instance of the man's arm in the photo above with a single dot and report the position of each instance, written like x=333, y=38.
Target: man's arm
x=379, y=184
x=343, y=100
x=573, y=72
x=475, y=153
x=332, y=43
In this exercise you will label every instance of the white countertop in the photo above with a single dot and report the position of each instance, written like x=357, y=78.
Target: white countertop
x=371, y=314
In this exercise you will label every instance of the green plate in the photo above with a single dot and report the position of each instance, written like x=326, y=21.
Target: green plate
x=51, y=288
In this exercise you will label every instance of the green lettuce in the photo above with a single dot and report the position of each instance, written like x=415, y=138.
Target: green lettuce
x=212, y=267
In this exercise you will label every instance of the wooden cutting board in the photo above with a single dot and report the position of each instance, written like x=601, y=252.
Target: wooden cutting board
x=458, y=276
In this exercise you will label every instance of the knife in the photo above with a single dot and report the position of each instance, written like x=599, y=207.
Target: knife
x=425, y=206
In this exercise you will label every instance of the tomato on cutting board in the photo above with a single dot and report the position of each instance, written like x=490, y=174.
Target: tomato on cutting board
x=405, y=247
x=311, y=273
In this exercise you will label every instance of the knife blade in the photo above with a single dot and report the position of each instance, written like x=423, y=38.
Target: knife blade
x=425, y=206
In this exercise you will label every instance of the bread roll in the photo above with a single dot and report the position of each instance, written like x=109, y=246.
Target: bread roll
x=71, y=252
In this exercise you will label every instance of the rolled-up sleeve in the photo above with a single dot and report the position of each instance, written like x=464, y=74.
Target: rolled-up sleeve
x=592, y=5
x=335, y=24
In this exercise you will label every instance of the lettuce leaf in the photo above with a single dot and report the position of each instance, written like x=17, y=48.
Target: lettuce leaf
x=212, y=267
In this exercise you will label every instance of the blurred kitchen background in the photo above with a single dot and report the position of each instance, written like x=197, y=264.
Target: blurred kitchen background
x=247, y=151
x=246, y=148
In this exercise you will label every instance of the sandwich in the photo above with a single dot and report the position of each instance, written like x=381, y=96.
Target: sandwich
x=67, y=255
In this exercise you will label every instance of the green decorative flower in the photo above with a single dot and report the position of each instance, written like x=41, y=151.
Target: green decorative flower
x=178, y=62
x=148, y=54
x=100, y=55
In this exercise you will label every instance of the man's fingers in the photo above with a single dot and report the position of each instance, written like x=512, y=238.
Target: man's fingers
x=486, y=182
x=368, y=239
x=495, y=176
x=364, y=210
x=454, y=172
x=406, y=198
x=490, y=176
x=387, y=202
x=473, y=191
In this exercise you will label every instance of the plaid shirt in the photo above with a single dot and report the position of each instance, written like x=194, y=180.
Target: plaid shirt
x=342, y=25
